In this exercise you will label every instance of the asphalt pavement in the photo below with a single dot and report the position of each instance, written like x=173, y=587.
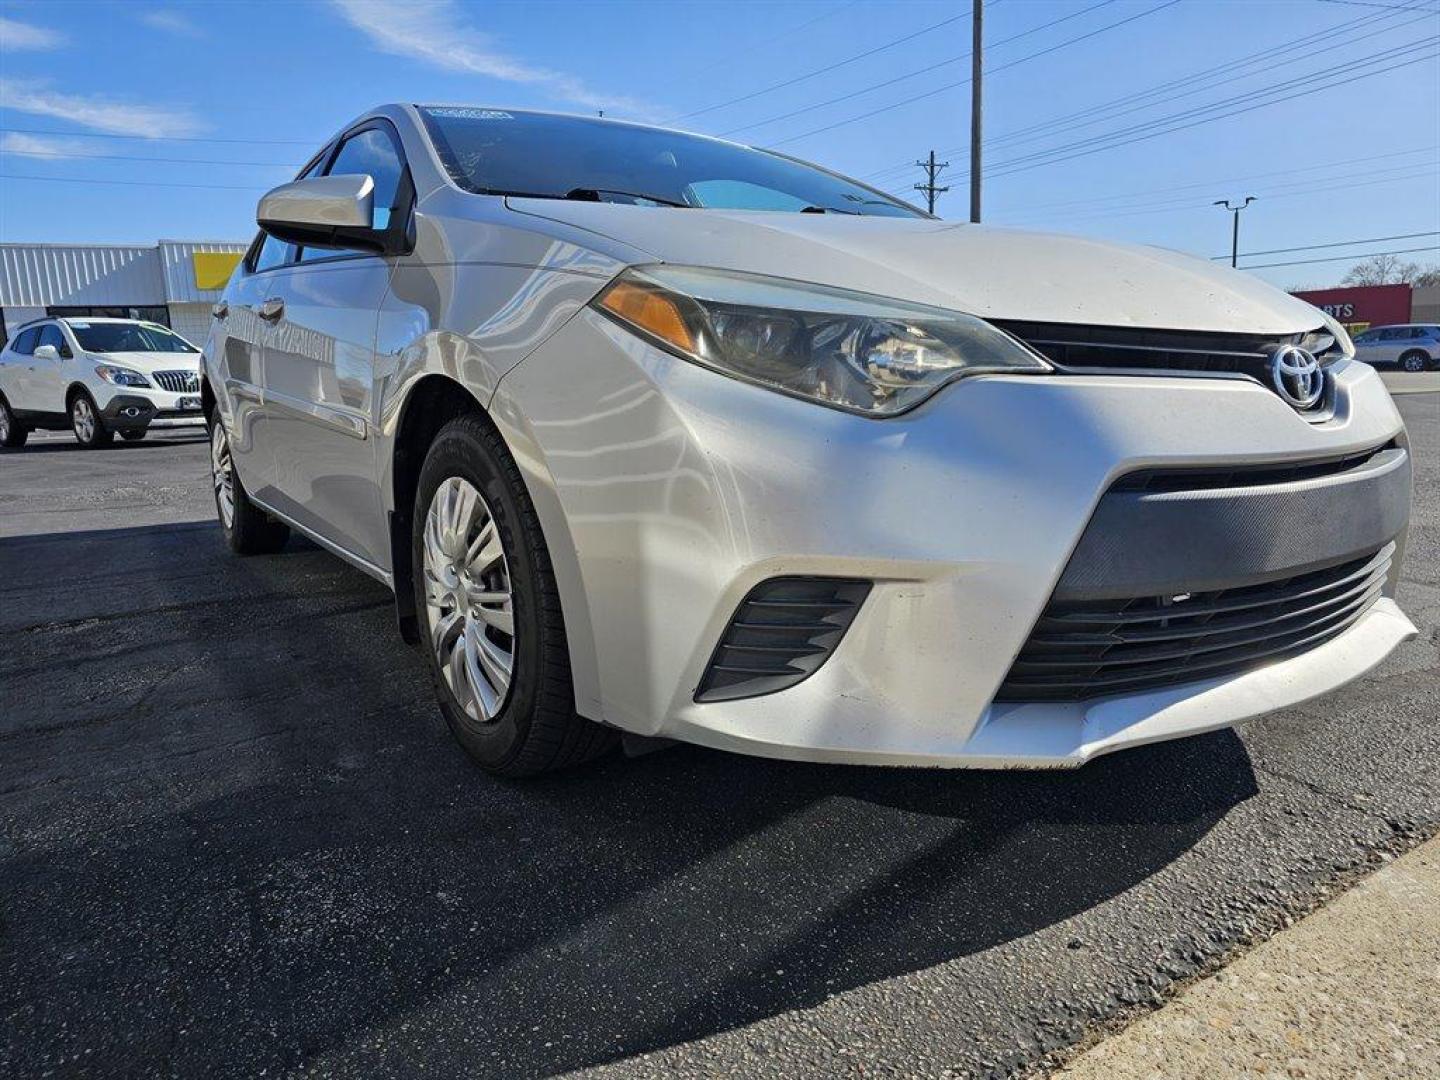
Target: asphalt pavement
x=235, y=839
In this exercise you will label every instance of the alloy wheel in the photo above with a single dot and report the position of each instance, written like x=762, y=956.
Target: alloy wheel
x=222, y=474
x=1413, y=363
x=4, y=423
x=82, y=419
x=468, y=602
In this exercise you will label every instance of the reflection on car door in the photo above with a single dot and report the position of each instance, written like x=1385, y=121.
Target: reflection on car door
x=240, y=334
x=319, y=372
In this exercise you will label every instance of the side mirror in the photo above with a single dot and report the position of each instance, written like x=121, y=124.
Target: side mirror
x=46, y=352
x=325, y=211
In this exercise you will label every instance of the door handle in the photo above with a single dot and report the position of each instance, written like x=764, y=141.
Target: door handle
x=220, y=310
x=272, y=309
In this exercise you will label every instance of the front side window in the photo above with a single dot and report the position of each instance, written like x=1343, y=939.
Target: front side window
x=367, y=153
x=272, y=253
x=50, y=335
x=494, y=152
x=371, y=152
x=128, y=337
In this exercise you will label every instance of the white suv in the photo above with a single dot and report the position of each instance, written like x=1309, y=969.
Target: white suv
x=99, y=378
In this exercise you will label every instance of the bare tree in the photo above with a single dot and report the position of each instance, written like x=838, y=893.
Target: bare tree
x=1381, y=270
x=1390, y=270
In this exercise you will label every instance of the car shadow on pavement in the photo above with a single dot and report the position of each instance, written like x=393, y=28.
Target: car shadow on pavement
x=238, y=837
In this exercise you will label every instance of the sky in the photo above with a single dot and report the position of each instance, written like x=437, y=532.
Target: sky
x=1125, y=119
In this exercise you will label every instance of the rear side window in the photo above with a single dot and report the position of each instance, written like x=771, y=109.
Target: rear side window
x=26, y=340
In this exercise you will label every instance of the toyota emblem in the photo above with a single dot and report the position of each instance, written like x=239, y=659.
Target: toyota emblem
x=1297, y=376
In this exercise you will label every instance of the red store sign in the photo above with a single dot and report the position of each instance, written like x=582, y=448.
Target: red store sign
x=1374, y=305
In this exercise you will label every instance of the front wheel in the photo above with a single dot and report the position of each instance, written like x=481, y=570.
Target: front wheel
x=494, y=632
x=1414, y=361
x=90, y=430
x=12, y=433
x=248, y=529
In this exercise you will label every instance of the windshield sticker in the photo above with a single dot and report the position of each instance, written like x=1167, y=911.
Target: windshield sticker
x=78, y=325
x=470, y=114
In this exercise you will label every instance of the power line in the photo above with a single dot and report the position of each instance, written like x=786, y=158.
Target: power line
x=965, y=82
x=156, y=138
x=1335, y=244
x=1063, y=153
x=1270, y=195
x=1305, y=41
x=913, y=74
x=54, y=155
x=1387, y=7
x=819, y=71
x=1373, y=60
x=1237, y=179
x=128, y=183
x=1340, y=258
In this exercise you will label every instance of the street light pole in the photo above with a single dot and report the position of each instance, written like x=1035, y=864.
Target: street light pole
x=1235, y=227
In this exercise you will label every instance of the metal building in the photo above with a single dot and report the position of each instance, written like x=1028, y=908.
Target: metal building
x=174, y=282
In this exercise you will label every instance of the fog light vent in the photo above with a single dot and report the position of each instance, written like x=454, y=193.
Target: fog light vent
x=784, y=629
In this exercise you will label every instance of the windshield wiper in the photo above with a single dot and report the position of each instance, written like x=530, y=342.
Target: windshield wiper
x=828, y=210
x=581, y=194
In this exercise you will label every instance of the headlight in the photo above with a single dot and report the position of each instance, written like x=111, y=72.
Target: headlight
x=120, y=376
x=850, y=350
x=1330, y=343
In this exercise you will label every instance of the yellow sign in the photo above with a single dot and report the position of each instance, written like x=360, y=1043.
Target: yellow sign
x=213, y=268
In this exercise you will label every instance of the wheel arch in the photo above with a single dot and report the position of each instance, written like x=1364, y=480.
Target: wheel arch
x=428, y=404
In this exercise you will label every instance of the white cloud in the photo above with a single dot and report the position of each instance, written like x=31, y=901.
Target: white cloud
x=117, y=117
x=22, y=144
x=434, y=32
x=19, y=35
x=171, y=22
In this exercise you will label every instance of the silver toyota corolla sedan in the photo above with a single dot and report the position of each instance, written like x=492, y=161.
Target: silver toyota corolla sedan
x=656, y=434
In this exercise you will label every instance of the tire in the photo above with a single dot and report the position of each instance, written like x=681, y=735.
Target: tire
x=12, y=433
x=1415, y=360
x=529, y=724
x=132, y=436
x=248, y=529
x=90, y=430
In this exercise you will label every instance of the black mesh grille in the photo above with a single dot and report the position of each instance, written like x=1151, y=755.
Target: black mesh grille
x=784, y=629
x=1089, y=649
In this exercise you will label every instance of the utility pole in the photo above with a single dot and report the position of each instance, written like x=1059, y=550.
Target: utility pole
x=976, y=39
x=1235, y=228
x=932, y=170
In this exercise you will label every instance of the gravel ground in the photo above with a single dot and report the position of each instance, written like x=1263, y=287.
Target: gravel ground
x=236, y=839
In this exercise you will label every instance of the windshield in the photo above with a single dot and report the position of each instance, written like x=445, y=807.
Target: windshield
x=494, y=152
x=128, y=337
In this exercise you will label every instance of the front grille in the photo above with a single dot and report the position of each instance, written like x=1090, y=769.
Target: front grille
x=177, y=382
x=784, y=629
x=1134, y=349
x=1089, y=649
x=1156, y=481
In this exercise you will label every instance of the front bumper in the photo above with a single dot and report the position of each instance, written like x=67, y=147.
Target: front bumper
x=667, y=492
x=129, y=410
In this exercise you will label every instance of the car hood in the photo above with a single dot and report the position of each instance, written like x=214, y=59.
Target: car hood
x=148, y=362
x=995, y=273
